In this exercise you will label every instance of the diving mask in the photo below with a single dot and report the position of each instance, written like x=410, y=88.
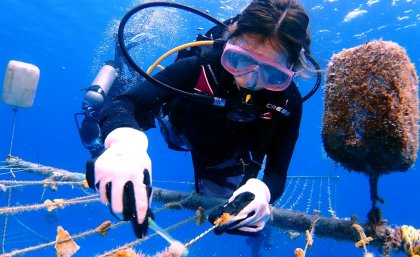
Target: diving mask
x=249, y=66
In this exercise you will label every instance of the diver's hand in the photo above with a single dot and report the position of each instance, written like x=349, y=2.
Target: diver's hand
x=122, y=176
x=248, y=208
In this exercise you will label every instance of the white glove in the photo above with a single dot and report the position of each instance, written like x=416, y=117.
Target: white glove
x=248, y=207
x=125, y=160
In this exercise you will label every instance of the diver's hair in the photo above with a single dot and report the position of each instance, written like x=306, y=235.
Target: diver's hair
x=283, y=23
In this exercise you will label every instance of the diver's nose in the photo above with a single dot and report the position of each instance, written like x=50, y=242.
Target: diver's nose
x=251, y=80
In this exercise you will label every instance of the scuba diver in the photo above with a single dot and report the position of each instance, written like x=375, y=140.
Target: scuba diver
x=255, y=116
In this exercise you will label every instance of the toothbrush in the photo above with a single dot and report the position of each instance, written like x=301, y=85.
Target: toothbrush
x=176, y=248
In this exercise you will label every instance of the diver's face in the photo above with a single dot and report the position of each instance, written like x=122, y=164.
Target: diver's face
x=255, y=80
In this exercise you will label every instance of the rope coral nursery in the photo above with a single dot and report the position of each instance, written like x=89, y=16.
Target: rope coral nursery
x=338, y=229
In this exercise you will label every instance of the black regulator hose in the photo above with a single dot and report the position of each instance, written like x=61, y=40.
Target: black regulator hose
x=194, y=97
x=318, y=78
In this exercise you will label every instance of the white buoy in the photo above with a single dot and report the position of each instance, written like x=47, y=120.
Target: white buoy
x=20, y=84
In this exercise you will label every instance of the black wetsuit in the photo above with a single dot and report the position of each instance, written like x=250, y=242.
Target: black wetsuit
x=222, y=148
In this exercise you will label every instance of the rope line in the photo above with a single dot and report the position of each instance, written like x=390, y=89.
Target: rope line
x=330, y=208
x=292, y=193
x=320, y=195
x=286, y=191
x=3, y=241
x=299, y=197
x=14, y=109
x=309, y=203
x=61, y=203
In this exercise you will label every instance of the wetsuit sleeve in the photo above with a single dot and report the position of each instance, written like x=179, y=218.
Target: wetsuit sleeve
x=280, y=153
x=137, y=106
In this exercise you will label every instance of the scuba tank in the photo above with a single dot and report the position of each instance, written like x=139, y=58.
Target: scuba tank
x=96, y=93
x=94, y=98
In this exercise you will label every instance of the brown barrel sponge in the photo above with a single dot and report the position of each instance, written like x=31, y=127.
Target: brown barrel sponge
x=371, y=109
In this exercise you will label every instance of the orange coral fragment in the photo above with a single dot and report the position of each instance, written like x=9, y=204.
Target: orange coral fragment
x=299, y=252
x=104, y=228
x=50, y=184
x=165, y=253
x=363, y=242
x=52, y=205
x=127, y=253
x=363, y=239
x=200, y=216
x=225, y=218
x=65, y=246
x=59, y=202
x=85, y=184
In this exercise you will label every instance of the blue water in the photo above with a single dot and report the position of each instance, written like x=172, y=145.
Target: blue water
x=68, y=41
